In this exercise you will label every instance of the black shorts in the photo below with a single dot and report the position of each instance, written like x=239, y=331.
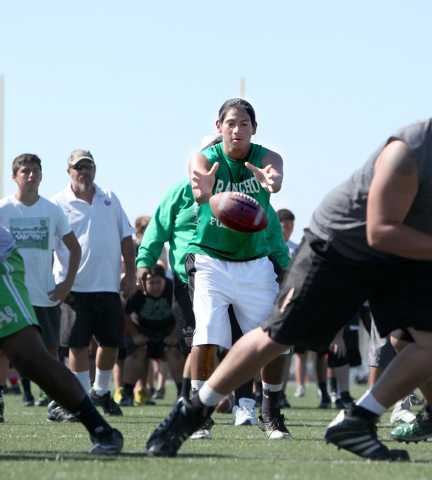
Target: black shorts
x=49, y=319
x=322, y=289
x=183, y=314
x=98, y=314
x=155, y=347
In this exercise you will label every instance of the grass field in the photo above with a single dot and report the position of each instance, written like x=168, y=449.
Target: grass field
x=31, y=447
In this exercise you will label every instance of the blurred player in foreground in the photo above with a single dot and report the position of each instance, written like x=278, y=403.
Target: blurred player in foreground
x=371, y=238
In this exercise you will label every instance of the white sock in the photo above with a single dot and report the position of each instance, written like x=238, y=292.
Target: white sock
x=272, y=388
x=368, y=402
x=209, y=397
x=84, y=379
x=102, y=380
x=196, y=385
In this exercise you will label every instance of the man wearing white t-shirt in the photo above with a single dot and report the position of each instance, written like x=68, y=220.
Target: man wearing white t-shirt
x=35, y=223
x=104, y=234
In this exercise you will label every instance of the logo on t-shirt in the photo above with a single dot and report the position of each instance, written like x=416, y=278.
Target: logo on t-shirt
x=30, y=232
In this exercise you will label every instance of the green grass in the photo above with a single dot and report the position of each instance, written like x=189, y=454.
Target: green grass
x=31, y=447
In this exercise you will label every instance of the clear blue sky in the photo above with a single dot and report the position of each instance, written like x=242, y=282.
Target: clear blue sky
x=139, y=83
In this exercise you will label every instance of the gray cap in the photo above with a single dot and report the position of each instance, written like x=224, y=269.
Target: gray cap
x=78, y=155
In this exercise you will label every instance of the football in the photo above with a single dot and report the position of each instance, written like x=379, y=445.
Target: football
x=225, y=405
x=239, y=212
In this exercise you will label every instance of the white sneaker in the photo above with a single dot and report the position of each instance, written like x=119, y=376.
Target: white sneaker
x=245, y=413
x=300, y=392
x=402, y=411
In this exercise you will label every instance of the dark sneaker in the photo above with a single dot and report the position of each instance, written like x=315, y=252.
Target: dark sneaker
x=57, y=413
x=185, y=419
x=325, y=403
x=2, y=406
x=126, y=400
x=28, y=400
x=42, y=401
x=159, y=394
x=344, y=401
x=283, y=402
x=356, y=432
x=273, y=424
x=106, y=402
x=106, y=441
x=418, y=429
x=204, y=432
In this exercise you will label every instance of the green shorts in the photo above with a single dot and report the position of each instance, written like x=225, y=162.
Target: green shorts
x=16, y=311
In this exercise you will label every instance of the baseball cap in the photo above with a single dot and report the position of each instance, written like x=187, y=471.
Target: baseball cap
x=78, y=155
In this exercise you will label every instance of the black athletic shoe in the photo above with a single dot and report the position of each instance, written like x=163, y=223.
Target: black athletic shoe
x=106, y=441
x=106, y=402
x=127, y=400
x=28, y=400
x=356, y=432
x=57, y=413
x=325, y=403
x=185, y=419
x=2, y=406
x=43, y=400
x=344, y=401
x=273, y=425
x=283, y=402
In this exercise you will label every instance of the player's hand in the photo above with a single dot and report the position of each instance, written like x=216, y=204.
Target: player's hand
x=204, y=182
x=338, y=347
x=139, y=339
x=141, y=276
x=128, y=285
x=61, y=291
x=263, y=175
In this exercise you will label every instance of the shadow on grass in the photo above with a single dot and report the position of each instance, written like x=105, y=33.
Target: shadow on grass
x=51, y=456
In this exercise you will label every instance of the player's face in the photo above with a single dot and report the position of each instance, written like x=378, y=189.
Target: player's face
x=287, y=228
x=236, y=128
x=83, y=179
x=155, y=286
x=28, y=177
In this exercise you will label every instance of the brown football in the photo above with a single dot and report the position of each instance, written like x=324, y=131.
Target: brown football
x=239, y=212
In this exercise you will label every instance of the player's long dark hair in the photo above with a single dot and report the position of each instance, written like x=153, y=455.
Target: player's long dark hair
x=237, y=103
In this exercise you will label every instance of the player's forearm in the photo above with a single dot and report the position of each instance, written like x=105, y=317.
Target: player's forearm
x=399, y=239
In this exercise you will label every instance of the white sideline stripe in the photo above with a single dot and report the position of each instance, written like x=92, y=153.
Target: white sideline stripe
x=223, y=201
x=8, y=280
x=259, y=216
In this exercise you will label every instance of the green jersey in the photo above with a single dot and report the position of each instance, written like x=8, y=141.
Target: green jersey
x=211, y=237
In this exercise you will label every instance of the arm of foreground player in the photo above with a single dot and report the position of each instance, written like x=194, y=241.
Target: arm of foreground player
x=392, y=192
x=202, y=177
x=270, y=175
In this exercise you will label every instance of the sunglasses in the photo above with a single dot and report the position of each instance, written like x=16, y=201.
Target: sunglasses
x=86, y=166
